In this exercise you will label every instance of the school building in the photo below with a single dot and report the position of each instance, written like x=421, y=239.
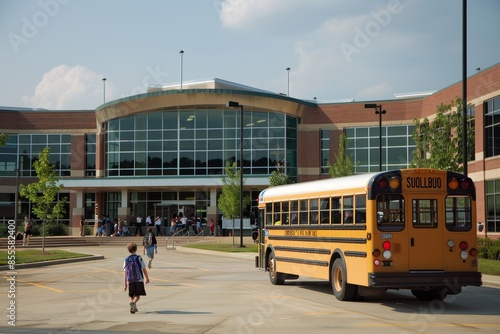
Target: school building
x=164, y=151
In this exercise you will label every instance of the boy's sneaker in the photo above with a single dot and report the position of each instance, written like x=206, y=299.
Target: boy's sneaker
x=149, y=264
x=133, y=308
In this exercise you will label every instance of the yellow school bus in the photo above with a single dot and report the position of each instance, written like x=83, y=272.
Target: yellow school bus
x=403, y=229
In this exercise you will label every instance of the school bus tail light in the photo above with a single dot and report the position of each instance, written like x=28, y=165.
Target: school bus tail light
x=465, y=184
x=382, y=183
x=473, y=252
x=463, y=245
x=387, y=249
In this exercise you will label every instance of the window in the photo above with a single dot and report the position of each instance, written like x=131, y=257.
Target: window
x=492, y=126
x=458, y=213
x=199, y=142
x=397, y=147
x=360, y=213
x=424, y=213
x=325, y=151
x=471, y=125
x=294, y=208
x=347, y=210
x=493, y=205
x=324, y=211
x=390, y=212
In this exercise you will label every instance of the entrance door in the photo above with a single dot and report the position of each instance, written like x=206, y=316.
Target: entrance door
x=426, y=233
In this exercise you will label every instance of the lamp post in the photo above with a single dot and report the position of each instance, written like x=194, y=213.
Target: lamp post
x=288, y=89
x=234, y=104
x=182, y=54
x=16, y=200
x=379, y=112
x=104, y=90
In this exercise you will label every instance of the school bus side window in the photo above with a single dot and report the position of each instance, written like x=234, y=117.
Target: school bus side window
x=304, y=211
x=269, y=214
x=294, y=209
x=390, y=212
x=313, y=210
x=336, y=210
x=360, y=214
x=458, y=213
x=324, y=210
x=347, y=208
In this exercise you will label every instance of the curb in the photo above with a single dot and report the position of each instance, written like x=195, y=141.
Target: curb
x=53, y=262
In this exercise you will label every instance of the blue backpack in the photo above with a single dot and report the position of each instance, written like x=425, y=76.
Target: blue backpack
x=133, y=268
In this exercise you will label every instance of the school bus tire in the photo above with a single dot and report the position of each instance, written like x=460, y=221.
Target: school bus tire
x=342, y=290
x=275, y=277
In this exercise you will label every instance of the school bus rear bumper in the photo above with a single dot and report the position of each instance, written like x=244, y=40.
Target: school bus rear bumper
x=420, y=279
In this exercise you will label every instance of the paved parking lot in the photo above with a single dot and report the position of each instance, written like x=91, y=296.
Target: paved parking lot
x=202, y=292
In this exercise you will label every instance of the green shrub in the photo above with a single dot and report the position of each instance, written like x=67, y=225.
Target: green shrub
x=54, y=228
x=89, y=230
x=488, y=248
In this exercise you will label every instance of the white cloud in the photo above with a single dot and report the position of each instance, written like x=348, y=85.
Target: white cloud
x=241, y=13
x=66, y=87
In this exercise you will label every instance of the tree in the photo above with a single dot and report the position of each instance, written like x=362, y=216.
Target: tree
x=229, y=199
x=3, y=138
x=344, y=164
x=439, y=142
x=43, y=194
x=278, y=177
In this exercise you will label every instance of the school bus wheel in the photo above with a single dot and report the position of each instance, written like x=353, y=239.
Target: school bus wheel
x=342, y=290
x=275, y=277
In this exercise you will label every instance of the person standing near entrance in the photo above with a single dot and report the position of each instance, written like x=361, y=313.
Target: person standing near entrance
x=158, y=225
x=138, y=225
x=82, y=227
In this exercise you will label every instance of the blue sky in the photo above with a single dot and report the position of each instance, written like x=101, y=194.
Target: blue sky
x=54, y=53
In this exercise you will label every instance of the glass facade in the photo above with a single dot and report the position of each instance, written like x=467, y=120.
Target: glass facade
x=325, y=151
x=397, y=147
x=90, y=155
x=23, y=150
x=492, y=126
x=199, y=142
x=493, y=205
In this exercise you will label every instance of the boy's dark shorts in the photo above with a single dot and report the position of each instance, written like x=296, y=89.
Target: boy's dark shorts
x=136, y=289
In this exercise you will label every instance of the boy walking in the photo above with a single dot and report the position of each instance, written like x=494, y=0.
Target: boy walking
x=149, y=246
x=134, y=273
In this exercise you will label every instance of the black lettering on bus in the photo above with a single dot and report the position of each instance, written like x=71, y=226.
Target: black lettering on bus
x=423, y=182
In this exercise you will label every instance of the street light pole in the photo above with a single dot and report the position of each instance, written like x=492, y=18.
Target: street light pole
x=379, y=112
x=182, y=54
x=233, y=104
x=288, y=91
x=104, y=90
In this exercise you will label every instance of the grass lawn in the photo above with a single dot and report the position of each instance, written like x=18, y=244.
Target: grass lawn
x=228, y=248
x=35, y=255
x=489, y=267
